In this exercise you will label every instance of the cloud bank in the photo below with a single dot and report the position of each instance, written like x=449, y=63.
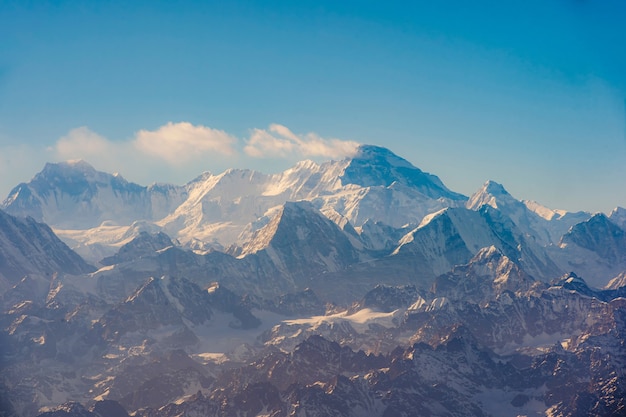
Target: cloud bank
x=174, y=152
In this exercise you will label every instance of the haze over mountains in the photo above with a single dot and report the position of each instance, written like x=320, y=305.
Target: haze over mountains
x=182, y=286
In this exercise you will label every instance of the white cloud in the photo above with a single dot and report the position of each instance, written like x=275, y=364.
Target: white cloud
x=174, y=147
x=174, y=152
x=83, y=143
x=179, y=143
x=279, y=141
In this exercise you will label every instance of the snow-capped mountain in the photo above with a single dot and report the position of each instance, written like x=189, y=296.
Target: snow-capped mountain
x=300, y=239
x=375, y=184
x=618, y=216
x=73, y=195
x=544, y=225
x=93, y=210
x=595, y=249
x=361, y=287
x=453, y=236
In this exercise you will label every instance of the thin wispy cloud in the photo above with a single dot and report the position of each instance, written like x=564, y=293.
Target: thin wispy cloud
x=279, y=142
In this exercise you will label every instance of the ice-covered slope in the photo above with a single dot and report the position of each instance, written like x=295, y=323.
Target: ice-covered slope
x=485, y=277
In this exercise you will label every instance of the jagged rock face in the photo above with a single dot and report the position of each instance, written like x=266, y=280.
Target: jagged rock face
x=387, y=298
x=105, y=408
x=488, y=275
x=543, y=315
x=31, y=248
x=227, y=301
x=159, y=302
x=153, y=383
x=70, y=409
x=296, y=303
x=457, y=378
x=132, y=353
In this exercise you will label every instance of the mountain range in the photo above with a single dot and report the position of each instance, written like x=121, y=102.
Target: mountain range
x=215, y=296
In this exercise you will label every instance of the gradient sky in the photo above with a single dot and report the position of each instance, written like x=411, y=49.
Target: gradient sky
x=530, y=94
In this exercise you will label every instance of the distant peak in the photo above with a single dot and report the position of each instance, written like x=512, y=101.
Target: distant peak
x=380, y=154
x=495, y=188
x=488, y=252
x=598, y=218
x=77, y=164
x=305, y=164
x=569, y=281
x=491, y=194
x=375, y=166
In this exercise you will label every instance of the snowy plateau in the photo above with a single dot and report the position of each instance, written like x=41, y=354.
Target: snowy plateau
x=360, y=287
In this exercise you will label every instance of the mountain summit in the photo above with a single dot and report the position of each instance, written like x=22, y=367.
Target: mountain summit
x=492, y=194
x=74, y=195
x=377, y=166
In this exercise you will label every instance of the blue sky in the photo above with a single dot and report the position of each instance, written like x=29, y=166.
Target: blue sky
x=530, y=94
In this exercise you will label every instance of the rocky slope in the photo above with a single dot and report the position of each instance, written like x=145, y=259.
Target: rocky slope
x=29, y=248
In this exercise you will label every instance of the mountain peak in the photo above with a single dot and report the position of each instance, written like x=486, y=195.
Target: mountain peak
x=77, y=164
x=74, y=166
x=618, y=216
x=492, y=194
x=495, y=188
x=375, y=166
x=487, y=253
x=73, y=194
x=380, y=155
